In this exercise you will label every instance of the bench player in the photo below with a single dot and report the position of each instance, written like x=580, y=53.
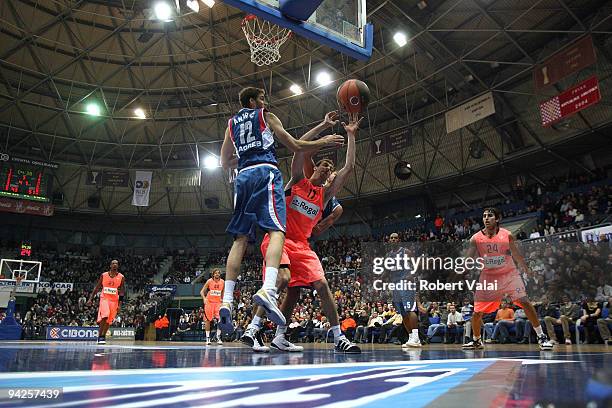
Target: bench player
x=112, y=285
x=212, y=293
x=258, y=194
x=497, y=246
x=305, y=200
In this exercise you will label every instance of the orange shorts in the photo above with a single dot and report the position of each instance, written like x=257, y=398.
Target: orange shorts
x=304, y=264
x=108, y=309
x=508, y=286
x=211, y=310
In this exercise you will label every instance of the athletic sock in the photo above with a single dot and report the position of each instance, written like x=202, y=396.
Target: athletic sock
x=270, y=279
x=281, y=330
x=538, y=330
x=337, y=333
x=256, y=322
x=228, y=294
x=207, y=334
x=476, y=338
x=218, y=334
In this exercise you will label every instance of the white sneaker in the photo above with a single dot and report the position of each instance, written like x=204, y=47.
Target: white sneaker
x=568, y=342
x=207, y=341
x=282, y=344
x=412, y=342
x=544, y=343
x=225, y=318
x=268, y=302
x=219, y=342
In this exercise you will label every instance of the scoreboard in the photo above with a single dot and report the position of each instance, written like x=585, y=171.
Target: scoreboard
x=25, y=181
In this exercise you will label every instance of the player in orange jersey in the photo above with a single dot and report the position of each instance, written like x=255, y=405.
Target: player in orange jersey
x=497, y=247
x=306, y=199
x=112, y=285
x=212, y=294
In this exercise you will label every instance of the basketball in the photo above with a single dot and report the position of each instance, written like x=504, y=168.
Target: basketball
x=353, y=96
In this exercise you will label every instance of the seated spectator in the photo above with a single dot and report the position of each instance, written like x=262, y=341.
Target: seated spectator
x=320, y=332
x=348, y=326
x=467, y=311
x=454, y=325
x=543, y=308
x=605, y=322
x=436, y=314
x=374, y=325
x=570, y=312
x=182, y=328
x=362, y=325
x=504, y=320
x=591, y=311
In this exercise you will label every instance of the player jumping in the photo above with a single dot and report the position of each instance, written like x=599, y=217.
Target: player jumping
x=258, y=194
x=212, y=293
x=497, y=246
x=305, y=200
x=112, y=285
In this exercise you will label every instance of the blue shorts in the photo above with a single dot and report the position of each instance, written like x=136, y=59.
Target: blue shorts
x=259, y=200
x=404, y=301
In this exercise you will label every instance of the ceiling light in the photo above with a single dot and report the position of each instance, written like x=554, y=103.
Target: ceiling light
x=296, y=89
x=400, y=39
x=139, y=113
x=211, y=162
x=93, y=109
x=193, y=5
x=323, y=78
x=163, y=11
x=417, y=216
x=209, y=3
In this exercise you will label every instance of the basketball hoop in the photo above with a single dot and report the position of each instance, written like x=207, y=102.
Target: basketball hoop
x=265, y=39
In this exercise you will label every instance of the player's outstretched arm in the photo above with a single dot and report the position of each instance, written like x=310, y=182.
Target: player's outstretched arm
x=349, y=165
x=300, y=145
x=228, y=158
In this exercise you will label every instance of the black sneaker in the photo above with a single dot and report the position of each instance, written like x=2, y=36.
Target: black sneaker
x=473, y=345
x=345, y=346
x=101, y=340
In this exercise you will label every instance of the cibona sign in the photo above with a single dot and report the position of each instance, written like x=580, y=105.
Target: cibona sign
x=71, y=333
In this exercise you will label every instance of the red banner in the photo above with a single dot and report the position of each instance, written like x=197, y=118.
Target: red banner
x=571, y=101
x=576, y=56
x=26, y=207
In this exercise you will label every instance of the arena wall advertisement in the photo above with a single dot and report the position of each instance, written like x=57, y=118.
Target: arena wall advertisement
x=122, y=333
x=72, y=333
x=594, y=234
x=162, y=289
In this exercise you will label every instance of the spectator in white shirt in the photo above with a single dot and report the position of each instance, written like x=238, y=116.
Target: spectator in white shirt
x=453, y=325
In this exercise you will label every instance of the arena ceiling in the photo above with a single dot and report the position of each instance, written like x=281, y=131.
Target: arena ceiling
x=58, y=55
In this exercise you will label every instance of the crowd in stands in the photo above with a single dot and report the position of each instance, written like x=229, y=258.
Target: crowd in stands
x=574, y=271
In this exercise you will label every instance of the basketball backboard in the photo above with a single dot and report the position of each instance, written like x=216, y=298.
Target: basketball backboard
x=338, y=24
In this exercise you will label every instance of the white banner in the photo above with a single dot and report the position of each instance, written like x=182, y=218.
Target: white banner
x=24, y=287
x=62, y=286
x=470, y=112
x=142, y=187
x=594, y=234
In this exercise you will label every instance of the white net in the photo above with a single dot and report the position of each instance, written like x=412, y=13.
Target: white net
x=265, y=39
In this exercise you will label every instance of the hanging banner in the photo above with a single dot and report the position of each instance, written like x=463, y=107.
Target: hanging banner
x=94, y=178
x=571, y=59
x=470, y=112
x=142, y=188
x=26, y=207
x=573, y=100
x=115, y=178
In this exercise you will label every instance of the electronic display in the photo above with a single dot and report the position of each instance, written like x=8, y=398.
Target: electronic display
x=24, y=181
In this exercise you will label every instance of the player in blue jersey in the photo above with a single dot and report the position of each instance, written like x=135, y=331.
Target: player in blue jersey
x=259, y=198
x=405, y=301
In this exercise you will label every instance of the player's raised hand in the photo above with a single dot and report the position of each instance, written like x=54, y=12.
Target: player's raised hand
x=354, y=122
x=332, y=140
x=331, y=118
